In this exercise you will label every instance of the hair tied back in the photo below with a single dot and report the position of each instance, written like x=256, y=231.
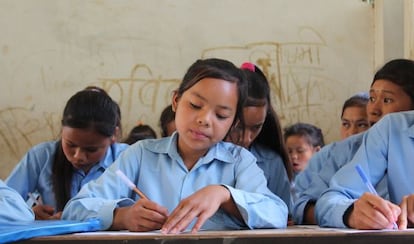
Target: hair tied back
x=248, y=66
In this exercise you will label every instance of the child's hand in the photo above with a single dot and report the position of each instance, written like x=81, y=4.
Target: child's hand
x=406, y=218
x=373, y=212
x=144, y=215
x=202, y=205
x=43, y=212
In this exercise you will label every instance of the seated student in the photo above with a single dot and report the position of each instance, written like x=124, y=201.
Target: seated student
x=354, y=117
x=140, y=132
x=302, y=141
x=192, y=179
x=167, y=121
x=58, y=169
x=386, y=150
x=392, y=90
x=262, y=134
x=13, y=207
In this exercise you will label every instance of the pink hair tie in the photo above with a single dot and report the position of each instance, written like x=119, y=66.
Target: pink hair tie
x=248, y=66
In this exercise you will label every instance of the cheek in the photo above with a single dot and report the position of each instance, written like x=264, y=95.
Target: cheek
x=96, y=156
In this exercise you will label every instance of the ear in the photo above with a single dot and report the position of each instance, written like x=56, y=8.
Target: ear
x=317, y=149
x=116, y=136
x=174, y=101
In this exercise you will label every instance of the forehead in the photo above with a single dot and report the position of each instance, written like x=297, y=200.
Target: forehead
x=385, y=86
x=355, y=111
x=83, y=137
x=254, y=115
x=220, y=92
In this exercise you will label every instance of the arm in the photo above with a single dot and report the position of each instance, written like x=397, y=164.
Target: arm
x=13, y=208
x=346, y=186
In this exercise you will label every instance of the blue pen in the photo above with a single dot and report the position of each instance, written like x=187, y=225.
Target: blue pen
x=369, y=185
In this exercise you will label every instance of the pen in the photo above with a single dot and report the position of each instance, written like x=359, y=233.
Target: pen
x=129, y=183
x=36, y=201
x=369, y=185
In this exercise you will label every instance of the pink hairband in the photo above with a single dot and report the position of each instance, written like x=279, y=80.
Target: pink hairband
x=248, y=66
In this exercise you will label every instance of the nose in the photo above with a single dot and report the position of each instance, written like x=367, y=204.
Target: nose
x=247, y=139
x=79, y=155
x=374, y=110
x=203, y=118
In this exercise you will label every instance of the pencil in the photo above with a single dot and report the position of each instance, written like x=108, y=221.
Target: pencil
x=129, y=183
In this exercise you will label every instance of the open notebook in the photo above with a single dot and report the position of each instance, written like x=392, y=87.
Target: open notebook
x=17, y=231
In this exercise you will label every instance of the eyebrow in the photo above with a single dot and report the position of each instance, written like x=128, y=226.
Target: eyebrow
x=384, y=91
x=204, y=99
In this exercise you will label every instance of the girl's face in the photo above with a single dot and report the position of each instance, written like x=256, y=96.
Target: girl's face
x=354, y=121
x=300, y=151
x=386, y=97
x=84, y=147
x=204, y=115
x=254, y=118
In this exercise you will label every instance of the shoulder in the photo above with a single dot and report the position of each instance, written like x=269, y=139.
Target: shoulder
x=229, y=152
x=44, y=147
x=264, y=153
x=399, y=120
x=118, y=147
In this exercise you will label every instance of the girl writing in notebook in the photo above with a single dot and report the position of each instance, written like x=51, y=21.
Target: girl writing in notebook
x=193, y=180
x=57, y=170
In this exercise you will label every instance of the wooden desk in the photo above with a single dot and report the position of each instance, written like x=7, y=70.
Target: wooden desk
x=291, y=235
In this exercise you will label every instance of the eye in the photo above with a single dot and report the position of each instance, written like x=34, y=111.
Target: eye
x=194, y=106
x=91, y=149
x=345, y=124
x=388, y=100
x=221, y=117
x=372, y=99
x=363, y=125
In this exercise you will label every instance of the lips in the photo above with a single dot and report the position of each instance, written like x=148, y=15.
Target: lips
x=199, y=134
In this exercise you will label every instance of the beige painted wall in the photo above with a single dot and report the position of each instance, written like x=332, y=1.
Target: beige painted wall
x=315, y=53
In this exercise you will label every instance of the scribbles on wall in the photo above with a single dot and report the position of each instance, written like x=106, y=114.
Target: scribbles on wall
x=301, y=89
x=140, y=95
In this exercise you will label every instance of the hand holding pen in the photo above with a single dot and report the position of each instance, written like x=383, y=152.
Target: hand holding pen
x=41, y=211
x=371, y=211
x=144, y=215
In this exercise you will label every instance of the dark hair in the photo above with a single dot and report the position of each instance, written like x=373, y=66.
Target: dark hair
x=167, y=116
x=218, y=69
x=140, y=132
x=87, y=109
x=99, y=89
x=399, y=72
x=312, y=133
x=270, y=136
x=358, y=100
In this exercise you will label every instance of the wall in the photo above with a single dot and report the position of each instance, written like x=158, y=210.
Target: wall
x=315, y=53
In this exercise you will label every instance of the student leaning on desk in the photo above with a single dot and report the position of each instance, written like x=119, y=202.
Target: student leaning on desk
x=193, y=179
x=392, y=90
x=387, y=149
x=56, y=170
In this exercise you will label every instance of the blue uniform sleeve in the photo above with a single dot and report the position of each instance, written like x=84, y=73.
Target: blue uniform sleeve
x=25, y=176
x=13, y=208
x=346, y=185
x=259, y=207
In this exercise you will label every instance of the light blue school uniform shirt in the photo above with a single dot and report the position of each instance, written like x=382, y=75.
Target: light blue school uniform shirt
x=34, y=171
x=275, y=172
x=12, y=206
x=157, y=169
x=387, y=149
x=314, y=180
